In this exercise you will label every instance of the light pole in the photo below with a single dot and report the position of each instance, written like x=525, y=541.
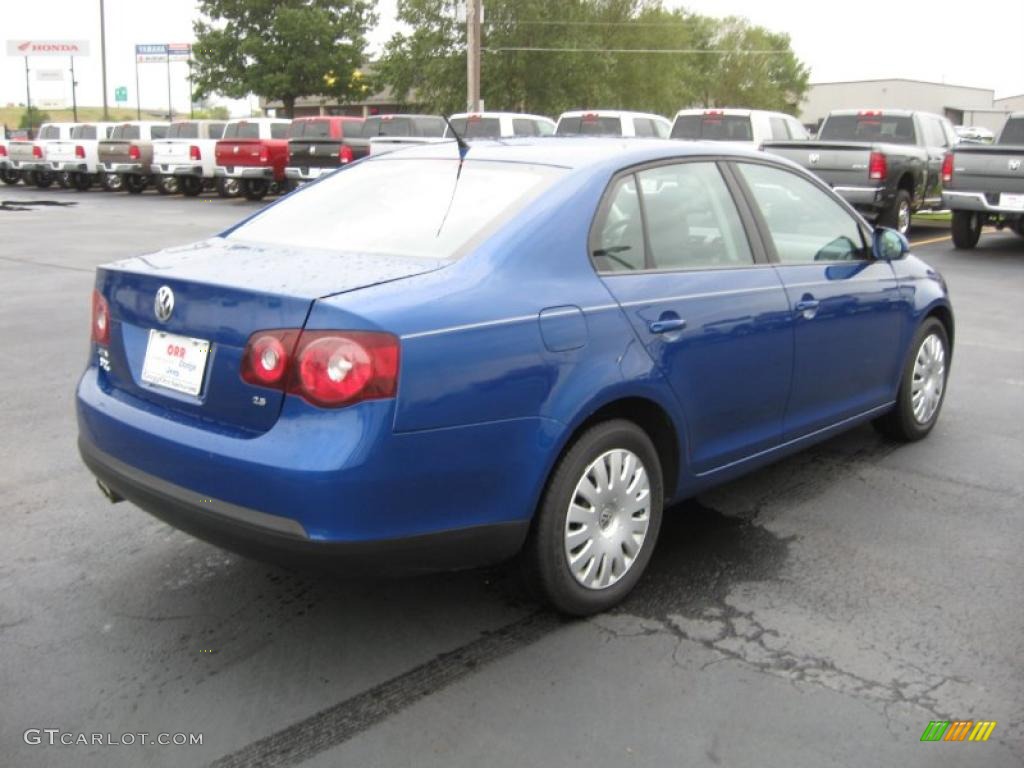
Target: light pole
x=103, y=58
x=473, y=13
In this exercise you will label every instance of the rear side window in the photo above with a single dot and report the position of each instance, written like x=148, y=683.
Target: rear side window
x=619, y=242
x=713, y=127
x=869, y=126
x=806, y=225
x=477, y=127
x=242, y=131
x=1013, y=131
x=158, y=131
x=279, y=130
x=589, y=125
x=83, y=132
x=184, y=131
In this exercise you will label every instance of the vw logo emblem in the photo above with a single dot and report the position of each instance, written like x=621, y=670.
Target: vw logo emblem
x=163, y=304
x=814, y=157
x=1014, y=165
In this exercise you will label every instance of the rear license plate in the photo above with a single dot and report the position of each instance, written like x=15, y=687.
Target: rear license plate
x=231, y=169
x=175, y=362
x=1011, y=202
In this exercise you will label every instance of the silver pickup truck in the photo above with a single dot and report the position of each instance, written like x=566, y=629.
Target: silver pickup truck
x=985, y=185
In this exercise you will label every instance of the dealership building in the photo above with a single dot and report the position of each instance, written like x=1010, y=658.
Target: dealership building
x=963, y=105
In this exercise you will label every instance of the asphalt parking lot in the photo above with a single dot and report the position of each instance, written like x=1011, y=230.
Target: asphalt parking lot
x=819, y=612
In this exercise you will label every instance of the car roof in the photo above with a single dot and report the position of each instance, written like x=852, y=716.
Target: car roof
x=573, y=152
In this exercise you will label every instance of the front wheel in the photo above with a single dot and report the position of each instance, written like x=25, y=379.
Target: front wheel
x=255, y=189
x=598, y=520
x=923, y=387
x=966, y=229
x=897, y=215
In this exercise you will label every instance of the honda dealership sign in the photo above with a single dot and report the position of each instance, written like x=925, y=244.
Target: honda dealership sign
x=47, y=47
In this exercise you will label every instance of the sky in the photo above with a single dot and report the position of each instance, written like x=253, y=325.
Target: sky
x=939, y=41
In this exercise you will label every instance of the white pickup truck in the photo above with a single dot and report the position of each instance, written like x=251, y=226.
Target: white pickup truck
x=749, y=128
x=612, y=122
x=8, y=173
x=76, y=159
x=386, y=133
x=186, y=159
x=498, y=125
x=28, y=158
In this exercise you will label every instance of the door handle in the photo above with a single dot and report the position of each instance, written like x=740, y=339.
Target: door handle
x=807, y=307
x=667, y=324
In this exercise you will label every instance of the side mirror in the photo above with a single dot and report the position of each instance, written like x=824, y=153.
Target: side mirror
x=889, y=245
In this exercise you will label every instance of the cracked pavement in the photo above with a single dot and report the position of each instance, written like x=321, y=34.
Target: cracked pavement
x=818, y=612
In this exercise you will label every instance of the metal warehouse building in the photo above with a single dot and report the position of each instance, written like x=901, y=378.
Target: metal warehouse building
x=963, y=105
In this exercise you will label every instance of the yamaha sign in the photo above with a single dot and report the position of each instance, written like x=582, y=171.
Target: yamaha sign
x=47, y=47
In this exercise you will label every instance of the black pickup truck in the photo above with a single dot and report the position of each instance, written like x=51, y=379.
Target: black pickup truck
x=985, y=185
x=886, y=163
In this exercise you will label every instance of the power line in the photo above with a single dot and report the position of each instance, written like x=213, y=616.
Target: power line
x=710, y=51
x=568, y=23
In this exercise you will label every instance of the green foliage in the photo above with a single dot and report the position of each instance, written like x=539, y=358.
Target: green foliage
x=32, y=118
x=427, y=65
x=212, y=113
x=280, y=49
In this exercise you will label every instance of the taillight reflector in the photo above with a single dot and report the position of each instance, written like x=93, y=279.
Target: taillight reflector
x=3, y=151
x=345, y=154
x=37, y=151
x=80, y=152
x=264, y=155
x=327, y=368
x=100, y=319
x=947, y=168
x=878, y=167
x=133, y=153
x=194, y=153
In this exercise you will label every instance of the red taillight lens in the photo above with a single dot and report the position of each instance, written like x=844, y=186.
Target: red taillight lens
x=264, y=155
x=80, y=152
x=947, y=168
x=326, y=368
x=100, y=319
x=133, y=153
x=878, y=168
x=3, y=151
x=345, y=154
x=37, y=152
x=194, y=153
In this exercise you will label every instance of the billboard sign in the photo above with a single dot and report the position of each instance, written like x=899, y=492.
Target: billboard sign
x=179, y=51
x=47, y=47
x=50, y=75
x=151, y=53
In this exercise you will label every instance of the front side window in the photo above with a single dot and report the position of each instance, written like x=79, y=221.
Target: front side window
x=806, y=225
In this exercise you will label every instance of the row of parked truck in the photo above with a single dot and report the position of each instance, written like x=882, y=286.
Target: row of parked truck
x=888, y=164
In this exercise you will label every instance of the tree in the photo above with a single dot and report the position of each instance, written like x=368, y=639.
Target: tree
x=280, y=49
x=32, y=118
x=630, y=54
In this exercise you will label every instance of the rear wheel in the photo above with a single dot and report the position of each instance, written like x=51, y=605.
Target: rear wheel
x=10, y=176
x=64, y=179
x=190, y=185
x=168, y=185
x=81, y=181
x=255, y=189
x=966, y=229
x=923, y=387
x=111, y=182
x=897, y=215
x=135, y=183
x=598, y=520
x=43, y=179
x=228, y=187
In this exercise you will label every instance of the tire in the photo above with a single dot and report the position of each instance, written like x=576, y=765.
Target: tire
x=29, y=178
x=255, y=189
x=112, y=182
x=228, y=187
x=81, y=181
x=902, y=423
x=190, y=186
x=135, y=183
x=168, y=185
x=897, y=215
x=548, y=547
x=966, y=229
x=1019, y=227
x=43, y=179
x=64, y=179
x=10, y=176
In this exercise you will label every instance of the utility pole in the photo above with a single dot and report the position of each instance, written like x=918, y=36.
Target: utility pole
x=74, y=99
x=28, y=99
x=473, y=14
x=103, y=59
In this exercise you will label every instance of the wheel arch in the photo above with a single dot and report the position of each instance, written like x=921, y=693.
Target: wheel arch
x=945, y=316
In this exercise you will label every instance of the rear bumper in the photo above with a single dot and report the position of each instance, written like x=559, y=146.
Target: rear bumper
x=138, y=168
x=174, y=169
x=974, y=201
x=34, y=165
x=244, y=172
x=73, y=166
x=862, y=197
x=306, y=174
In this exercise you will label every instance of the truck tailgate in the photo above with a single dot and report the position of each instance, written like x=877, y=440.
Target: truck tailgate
x=836, y=163
x=993, y=169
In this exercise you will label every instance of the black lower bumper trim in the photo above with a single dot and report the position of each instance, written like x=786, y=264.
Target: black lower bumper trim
x=251, y=536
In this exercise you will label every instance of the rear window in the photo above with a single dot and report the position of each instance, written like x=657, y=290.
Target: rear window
x=425, y=208
x=891, y=129
x=279, y=130
x=183, y=131
x=477, y=127
x=712, y=127
x=158, y=131
x=1013, y=132
x=242, y=131
x=391, y=126
x=126, y=132
x=215, y=130
x=310, y=129
x=83, y=132
x=49, y=132
x=589, y=125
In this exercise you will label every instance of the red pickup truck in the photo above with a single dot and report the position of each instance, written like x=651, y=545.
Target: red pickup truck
x=254, y=151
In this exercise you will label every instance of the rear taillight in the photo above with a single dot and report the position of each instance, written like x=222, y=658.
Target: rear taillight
x=80, y=152
x=264, y=155
x=3, y=151
x=345, y=154
x=133, y=153
x=947, y=168
x=194, y=153
x=100, y=319
x=327, y=368
x=878, y=168
x=37, y=152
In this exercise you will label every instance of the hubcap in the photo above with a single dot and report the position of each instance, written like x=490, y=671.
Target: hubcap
x=929, y=379
x=607, y=520
x=903, y=218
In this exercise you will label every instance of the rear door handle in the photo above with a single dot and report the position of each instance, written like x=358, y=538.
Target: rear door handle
x=667, y=325
x=807, y=307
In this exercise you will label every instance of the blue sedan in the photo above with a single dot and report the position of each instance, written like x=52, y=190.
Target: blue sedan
x=434, y=361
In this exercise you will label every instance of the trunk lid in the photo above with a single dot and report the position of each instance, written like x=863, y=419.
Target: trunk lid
x=223, y=292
